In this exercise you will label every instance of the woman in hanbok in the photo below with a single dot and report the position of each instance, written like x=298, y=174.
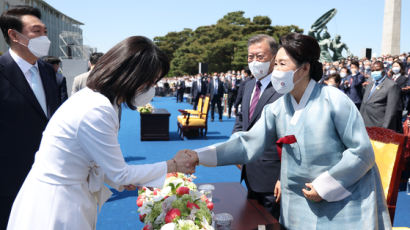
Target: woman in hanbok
x=79, y=151
x=329, y=179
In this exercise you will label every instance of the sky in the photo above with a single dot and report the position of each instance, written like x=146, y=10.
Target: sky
x=359, y=22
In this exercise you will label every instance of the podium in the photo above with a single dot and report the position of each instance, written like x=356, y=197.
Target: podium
x=155, y=125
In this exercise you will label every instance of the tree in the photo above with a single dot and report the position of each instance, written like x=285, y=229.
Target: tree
x=222, y=45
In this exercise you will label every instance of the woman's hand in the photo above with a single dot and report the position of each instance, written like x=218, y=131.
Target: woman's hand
x=130, y=187
x=311, y=194
x=277, y=191
x=184, y=161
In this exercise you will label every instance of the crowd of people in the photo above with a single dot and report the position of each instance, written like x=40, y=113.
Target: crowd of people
x=351, y=75
x=223, y=89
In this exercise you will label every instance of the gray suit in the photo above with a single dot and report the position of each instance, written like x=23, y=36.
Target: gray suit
x=383, y=107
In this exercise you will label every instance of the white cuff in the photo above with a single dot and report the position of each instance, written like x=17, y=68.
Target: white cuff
x=329, y=188
x=159, y=181
x=207, y=156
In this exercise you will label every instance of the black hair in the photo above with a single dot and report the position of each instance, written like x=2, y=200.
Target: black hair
x=129, y=68
x=304, y=49
x=51, y=60
x=336, y=77
x=94, y=57
x=263, y=37
x=381, y=64
x=11, y=19
x=355, y=63
x=347, y=70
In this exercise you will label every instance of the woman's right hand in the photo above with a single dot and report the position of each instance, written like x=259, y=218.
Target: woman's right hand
x=184, y=161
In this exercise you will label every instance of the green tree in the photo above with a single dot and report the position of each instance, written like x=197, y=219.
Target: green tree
x=222, y=45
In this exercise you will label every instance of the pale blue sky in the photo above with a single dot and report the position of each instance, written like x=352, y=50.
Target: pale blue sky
x=360, y=22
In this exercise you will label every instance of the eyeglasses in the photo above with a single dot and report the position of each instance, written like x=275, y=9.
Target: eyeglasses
x=259, y=57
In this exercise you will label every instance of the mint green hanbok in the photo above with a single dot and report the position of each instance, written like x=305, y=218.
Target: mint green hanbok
x=333, y=151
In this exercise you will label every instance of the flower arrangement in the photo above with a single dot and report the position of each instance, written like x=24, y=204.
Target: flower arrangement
x=177, y=206
x=148, y=108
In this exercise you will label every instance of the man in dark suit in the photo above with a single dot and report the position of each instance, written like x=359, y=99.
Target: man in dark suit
x=232, y=88
x=180, y=89
x=198, y=89
x=246, y=77
x=381, y=101
x=352, y=85
x=216, y=92
x=28, y=98
x=262, y=175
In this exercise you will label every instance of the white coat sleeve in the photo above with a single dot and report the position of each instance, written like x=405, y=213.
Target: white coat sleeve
x=98, y=136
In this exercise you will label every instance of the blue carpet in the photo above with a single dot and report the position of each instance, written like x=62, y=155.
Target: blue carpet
x=120, y=212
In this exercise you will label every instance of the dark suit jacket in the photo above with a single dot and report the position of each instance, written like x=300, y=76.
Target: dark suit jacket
x=22, y=121
x=232, y=91
x=211, y=89
x=261, y=174
x=195, y=89
x=383, y=107
x=355, y=90
x=239, y=97
x=181, y=86
x=402, y=82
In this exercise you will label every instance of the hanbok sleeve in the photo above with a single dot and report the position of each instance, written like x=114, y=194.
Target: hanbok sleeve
x=242, y=147
x=357, y=159
x=98, y=136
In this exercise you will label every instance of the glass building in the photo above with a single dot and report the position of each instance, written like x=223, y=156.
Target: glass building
x=64, y=32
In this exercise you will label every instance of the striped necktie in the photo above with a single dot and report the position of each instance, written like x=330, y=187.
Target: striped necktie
x=37, y=87
x=255, y=98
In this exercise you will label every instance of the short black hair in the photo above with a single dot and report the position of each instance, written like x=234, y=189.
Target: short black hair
x=94, y=57
x=336, y=77
x=354, y=62
x=263, y=37
x=51, y=60
x=304, y=49
x=129, y=68
x=11, y=19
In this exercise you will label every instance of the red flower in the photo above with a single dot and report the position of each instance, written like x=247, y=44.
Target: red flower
x=147, y=227
x=156, y=191
x=172, y=214
x=210, y=205
x=142, y=217
x=204, y=198
x=140, y=202
x=182, y=190
x=191, y=205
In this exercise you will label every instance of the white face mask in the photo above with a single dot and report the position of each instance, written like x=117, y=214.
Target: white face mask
x=283, y=81
x=342, y=75
x=144, y=98
x=332, y=72
x=38, y=46
x=259, y=69
x=396, y=70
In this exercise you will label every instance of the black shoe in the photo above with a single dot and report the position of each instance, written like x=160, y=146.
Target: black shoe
x=212, y=120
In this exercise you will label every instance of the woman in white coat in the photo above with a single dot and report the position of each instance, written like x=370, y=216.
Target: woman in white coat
x=79, y=150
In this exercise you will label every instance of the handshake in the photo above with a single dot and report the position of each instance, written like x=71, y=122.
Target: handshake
x=184, y=161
